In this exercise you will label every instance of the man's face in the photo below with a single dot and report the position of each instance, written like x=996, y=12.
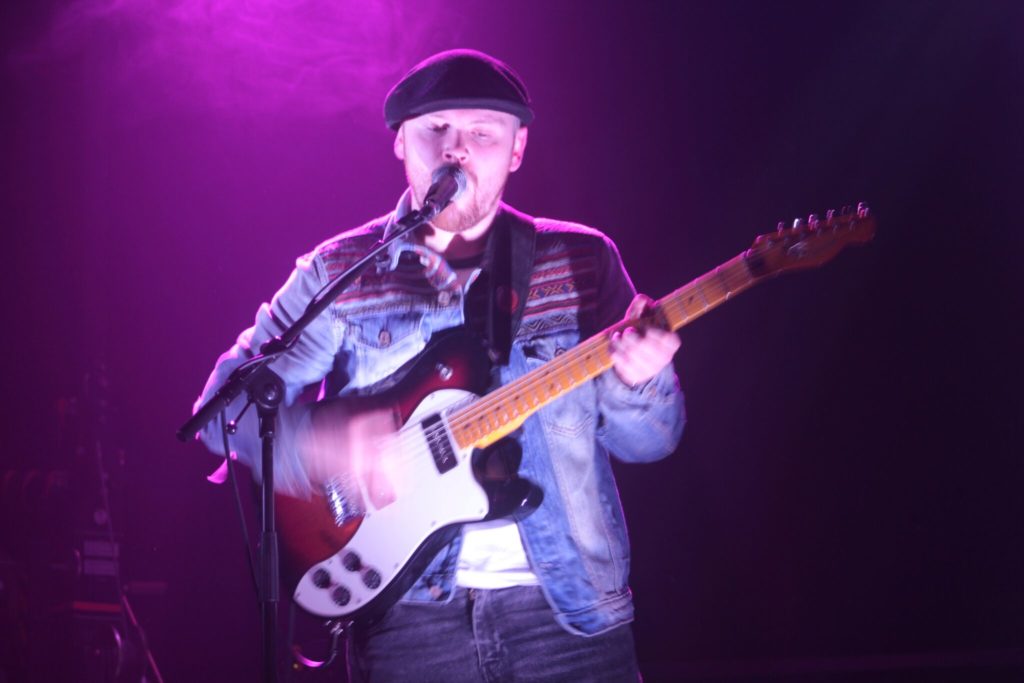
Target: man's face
x=487, y=144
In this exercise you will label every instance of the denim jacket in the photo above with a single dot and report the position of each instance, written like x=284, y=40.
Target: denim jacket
x=576, y=540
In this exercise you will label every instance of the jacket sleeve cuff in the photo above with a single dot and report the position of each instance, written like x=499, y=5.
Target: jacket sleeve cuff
x=661, y=388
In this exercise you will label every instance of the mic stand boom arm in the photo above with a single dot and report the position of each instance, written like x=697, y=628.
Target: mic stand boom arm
x=266, y=389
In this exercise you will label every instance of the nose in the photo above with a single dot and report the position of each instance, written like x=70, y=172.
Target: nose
x=455, y=150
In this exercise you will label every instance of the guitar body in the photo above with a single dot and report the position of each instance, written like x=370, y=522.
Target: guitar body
x=357, y=565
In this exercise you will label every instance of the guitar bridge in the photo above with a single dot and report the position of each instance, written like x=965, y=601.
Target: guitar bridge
x=343, y=499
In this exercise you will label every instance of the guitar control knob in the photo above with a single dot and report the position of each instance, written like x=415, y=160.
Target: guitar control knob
x=321, y=578
x=372, y=578
x=351, y=562
x=341, y=596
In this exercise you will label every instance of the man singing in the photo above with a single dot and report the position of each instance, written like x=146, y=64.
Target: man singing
x=535, y=597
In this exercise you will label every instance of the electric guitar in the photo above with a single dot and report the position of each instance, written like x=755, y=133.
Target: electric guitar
x=360, y=552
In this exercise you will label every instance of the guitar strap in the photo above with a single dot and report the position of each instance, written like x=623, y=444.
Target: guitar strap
x=508, y=264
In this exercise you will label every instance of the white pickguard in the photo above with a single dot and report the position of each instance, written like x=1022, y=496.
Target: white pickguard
x=425, y=501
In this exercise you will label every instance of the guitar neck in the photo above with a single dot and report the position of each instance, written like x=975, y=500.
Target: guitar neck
x=710, y=290
x=501, y=412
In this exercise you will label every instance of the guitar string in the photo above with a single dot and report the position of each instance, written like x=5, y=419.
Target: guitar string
x=733, y=274
x=413, y=443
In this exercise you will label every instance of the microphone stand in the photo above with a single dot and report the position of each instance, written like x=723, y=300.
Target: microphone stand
x=266, y=389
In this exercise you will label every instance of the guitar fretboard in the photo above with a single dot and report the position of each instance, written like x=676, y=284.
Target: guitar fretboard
x=501, y=412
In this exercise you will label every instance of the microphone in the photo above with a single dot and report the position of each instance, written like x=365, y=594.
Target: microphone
x=447, y=183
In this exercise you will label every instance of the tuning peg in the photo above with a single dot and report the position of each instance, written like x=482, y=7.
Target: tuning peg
x=812, y=221
x=781, y=226
x=844, y=211
x=798, y=223
x=862, y=210
x=830, y=215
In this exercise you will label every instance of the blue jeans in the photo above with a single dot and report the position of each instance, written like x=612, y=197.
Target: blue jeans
x=486, y=636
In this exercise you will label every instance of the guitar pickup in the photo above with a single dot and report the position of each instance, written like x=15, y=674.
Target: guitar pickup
x=440, y=446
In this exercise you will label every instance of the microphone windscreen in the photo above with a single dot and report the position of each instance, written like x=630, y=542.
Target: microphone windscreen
x=450, y=173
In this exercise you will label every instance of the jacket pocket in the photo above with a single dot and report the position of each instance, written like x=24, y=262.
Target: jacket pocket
x=381, y=345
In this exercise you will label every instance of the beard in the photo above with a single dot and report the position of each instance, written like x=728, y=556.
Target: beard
x=466, y=211
x=458, y=219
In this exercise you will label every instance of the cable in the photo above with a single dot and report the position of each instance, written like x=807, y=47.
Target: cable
x=238, y=503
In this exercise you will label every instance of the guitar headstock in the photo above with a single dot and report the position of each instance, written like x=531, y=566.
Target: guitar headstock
x=810, y=243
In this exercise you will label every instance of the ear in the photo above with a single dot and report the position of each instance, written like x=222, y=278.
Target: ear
x=518, y=149
x=400, y=143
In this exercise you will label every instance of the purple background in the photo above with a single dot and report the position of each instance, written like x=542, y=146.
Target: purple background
x=847, y=495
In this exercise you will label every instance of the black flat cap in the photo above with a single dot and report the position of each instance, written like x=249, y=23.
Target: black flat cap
x=457, y=79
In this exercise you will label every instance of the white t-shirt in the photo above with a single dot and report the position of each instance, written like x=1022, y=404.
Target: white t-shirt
x=493, y=557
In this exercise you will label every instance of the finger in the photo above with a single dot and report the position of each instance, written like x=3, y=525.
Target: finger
x=643, y=357
x=663, y=339
x=624, y=342
x=637, y=307
x=656, y=344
